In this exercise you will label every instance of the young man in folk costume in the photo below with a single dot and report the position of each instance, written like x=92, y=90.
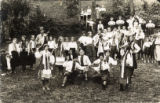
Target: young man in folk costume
x=14, y=50
x=82, y=40
x=41, y=38
x=90, y=50
x=71, y=70
x=31, y=51
x=23, y=52
x=73, y=46
x=60, y=48
x=98, y=43
x=140, y=39
x=102, y=67
x=84, y=62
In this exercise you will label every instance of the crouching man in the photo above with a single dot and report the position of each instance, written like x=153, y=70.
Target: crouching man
x=103, y=67
x=72, y=68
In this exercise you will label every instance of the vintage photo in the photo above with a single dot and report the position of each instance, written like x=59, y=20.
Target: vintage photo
x=80, y=51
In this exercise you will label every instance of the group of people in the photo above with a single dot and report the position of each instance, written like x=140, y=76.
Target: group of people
x=90, y=54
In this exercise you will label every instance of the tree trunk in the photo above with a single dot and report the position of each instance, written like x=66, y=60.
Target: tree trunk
x=93, y=9
x=131, y=3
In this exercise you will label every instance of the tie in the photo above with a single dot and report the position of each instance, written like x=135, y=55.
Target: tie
x=82, y=64
x=46, y=61
x=73, y=66
x=100, y=65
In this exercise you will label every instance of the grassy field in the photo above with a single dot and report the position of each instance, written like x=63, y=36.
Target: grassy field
x=26, y=88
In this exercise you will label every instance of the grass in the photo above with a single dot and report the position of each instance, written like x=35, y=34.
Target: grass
x=26, y=88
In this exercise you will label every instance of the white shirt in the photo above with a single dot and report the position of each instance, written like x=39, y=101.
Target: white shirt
x=66, y=45
x=120, y=22
x=150, y=25
x=73, y=45
x=111, y=23
x=91, y=23
x=88, y=41
x=40, y=38
x=139, y=35
x=100, y=26
x=52, y=44
x=13, y=47
x=105, y=65
x=82, y=39
x=89, y=11
x=69, y=64
x=147, y=44
x=86, y=60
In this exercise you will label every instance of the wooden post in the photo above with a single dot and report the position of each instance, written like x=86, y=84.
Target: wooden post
x=131, y=3
x=93, y=9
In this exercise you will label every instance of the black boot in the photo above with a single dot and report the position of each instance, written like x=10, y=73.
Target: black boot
x=126, y=87
x=103, y=87
x=121, y=87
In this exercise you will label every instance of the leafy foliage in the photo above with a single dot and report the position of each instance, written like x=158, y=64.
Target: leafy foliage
x=72, y=8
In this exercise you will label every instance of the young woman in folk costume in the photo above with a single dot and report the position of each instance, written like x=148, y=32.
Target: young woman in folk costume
x=52, y=44
x=73, y=46
x=48, y=60
x=150, y=28
x=31, y=51
x=23, y=52
x=66, y=45
x=111, y=23
x=120, y=21
x=13, y=58
x=157, y=48
x=114, y=47
x=128, y=63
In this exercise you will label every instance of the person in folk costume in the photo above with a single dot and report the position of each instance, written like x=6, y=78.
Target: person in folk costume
x=83, y=19
x=90, y=25
x=100, y=45
x=90, y=50
x=3, y=63
x=13, y=50
x=150, y=27
x=81, y=41
x=23, y=52
x=157, y=48
x=48, y=60
x=71, y=70
x=66, y=46
x=120, y=21
x=111, y=23
x=84, y=62
x=100, y=26
x=52, y=45
x=82, y=16
x=135, y=49
x=124, y=30
x=102, y=67
x=89, y=11
x=126, y=68
x=41, y=38
x=140, y=39
x=146, y=50
x=114, y=47
x=60, y=47
x=130, y=21
x=31, y=51
x=73, y=46
x=96, y=41
x=122, y=44
x=98, y=10
x=152, y=49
